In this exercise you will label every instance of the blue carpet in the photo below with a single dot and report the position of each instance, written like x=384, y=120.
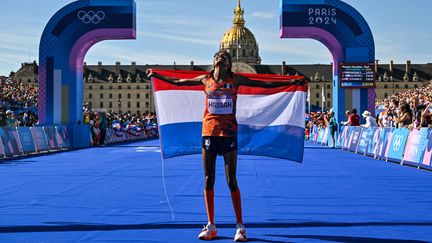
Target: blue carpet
x=116, y=194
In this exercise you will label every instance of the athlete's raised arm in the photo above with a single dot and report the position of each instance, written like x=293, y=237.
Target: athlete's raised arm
x=177, y=81
x=242, y=80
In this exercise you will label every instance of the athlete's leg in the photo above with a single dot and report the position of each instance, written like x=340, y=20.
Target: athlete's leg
x=209, y=163
x=230, y=172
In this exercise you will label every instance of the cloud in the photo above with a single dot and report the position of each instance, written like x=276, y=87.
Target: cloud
x=266, y=15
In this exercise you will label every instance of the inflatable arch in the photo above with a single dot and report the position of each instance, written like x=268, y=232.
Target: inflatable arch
x=347, y=35
x=67, y=37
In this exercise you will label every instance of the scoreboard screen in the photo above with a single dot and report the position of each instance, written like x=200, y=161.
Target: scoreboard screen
x=357, y=75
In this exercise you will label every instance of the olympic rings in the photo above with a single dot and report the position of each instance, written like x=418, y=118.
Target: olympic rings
x=91, y=16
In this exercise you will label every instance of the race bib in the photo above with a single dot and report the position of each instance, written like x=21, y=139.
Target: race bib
x=220, y=105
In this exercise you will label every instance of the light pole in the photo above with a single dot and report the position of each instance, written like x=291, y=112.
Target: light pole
x=119, y=106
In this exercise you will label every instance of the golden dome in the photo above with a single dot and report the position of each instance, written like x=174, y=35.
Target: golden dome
x=240, y=41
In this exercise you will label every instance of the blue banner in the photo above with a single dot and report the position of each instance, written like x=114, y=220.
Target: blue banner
x=10, y=138
x=39, y=139
x=373, y=144
x=382, y=143
x=62, y=137
x=416, y=146
x=51, y=136
x=397, y=145
x=26, y=139
x=427, y=155
x=366, y=138
x=354, y=138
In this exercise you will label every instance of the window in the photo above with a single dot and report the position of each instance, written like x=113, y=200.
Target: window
x=415, y=86
x=397, y=86
x=385, y=95
x=90, y=96
x=101, y=96
x=110, y=96
x=110, y=105
x=316, y=95
x=328, y=86
x=129, y=96
x=138, y=87
x=101, y=87
x=385, y=86
x=147, y=96
x=328, y=95
x=119, y=96
x=317, y=86
x=110, y=87
x=147, y=87
x=119, y=87
x=129, y=104
x=406, y=86
x=138, y=96
x=101, y=104
x=128, y=87
x=138, y=105
x=90, y=87
x=317, y=103
x=147, y=105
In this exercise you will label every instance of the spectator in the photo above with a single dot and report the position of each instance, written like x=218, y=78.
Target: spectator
x=354, y=119
x=370, y=120
x=2, y=117
x=10, y=119
x=332, y=127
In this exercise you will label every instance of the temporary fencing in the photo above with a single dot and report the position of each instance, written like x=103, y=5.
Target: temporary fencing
x=22, y=141
x=390, y=144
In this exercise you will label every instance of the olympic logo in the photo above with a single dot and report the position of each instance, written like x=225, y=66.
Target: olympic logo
x=91, y=16
x=397, y=142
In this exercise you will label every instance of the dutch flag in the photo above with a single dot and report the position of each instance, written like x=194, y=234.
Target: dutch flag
x=271, y=120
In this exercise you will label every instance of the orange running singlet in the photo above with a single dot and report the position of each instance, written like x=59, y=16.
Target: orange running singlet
x=220, y=113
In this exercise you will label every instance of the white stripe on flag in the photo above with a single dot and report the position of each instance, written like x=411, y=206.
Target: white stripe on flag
x=286, y=108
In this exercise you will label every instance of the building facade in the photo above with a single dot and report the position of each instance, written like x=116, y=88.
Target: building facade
x=125, y=88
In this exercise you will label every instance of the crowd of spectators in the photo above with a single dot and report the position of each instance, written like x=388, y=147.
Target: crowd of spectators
x=99, y=121
x=411, y=109
x=17, y=94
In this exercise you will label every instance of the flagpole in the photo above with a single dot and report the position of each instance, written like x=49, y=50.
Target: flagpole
x=322, y=98
x=309, y=99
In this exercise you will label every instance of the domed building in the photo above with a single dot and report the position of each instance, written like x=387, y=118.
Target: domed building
x=239, y=41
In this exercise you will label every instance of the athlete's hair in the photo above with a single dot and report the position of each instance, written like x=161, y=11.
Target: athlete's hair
x=224, y=52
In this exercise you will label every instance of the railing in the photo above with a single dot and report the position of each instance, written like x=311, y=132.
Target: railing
x=23, y=141
x=396, y=145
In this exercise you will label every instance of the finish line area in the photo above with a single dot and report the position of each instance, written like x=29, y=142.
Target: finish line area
x=116, y=194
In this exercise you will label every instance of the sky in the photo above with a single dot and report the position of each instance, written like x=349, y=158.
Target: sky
x=171, y=31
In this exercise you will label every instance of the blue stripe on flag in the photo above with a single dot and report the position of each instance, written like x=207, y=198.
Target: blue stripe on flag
x=274, y=141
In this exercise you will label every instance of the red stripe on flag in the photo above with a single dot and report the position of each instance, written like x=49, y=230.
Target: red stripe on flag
x=159, y=85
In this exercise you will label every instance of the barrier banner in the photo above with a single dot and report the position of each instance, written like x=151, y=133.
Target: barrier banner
x=39, y=138
x=325, y=136
x=381, y=146
x=397, y=145
x=372, y=145
x=26, y=139
x=342, y=137
x=62, y=137
x=427, y=157
x=363, y=141
x=347, y=142
x=2, y=152
x=51, y=136
x=10, y=141
x=354, y=139
x=415, y=147
x=320, y=135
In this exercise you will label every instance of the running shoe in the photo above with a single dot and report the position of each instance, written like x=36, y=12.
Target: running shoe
x=240, y=235
x=209, y=232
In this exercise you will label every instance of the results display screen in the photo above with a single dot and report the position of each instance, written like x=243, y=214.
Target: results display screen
x=357, y=75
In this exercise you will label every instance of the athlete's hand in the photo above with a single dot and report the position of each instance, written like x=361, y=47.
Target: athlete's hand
x=149, y=73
